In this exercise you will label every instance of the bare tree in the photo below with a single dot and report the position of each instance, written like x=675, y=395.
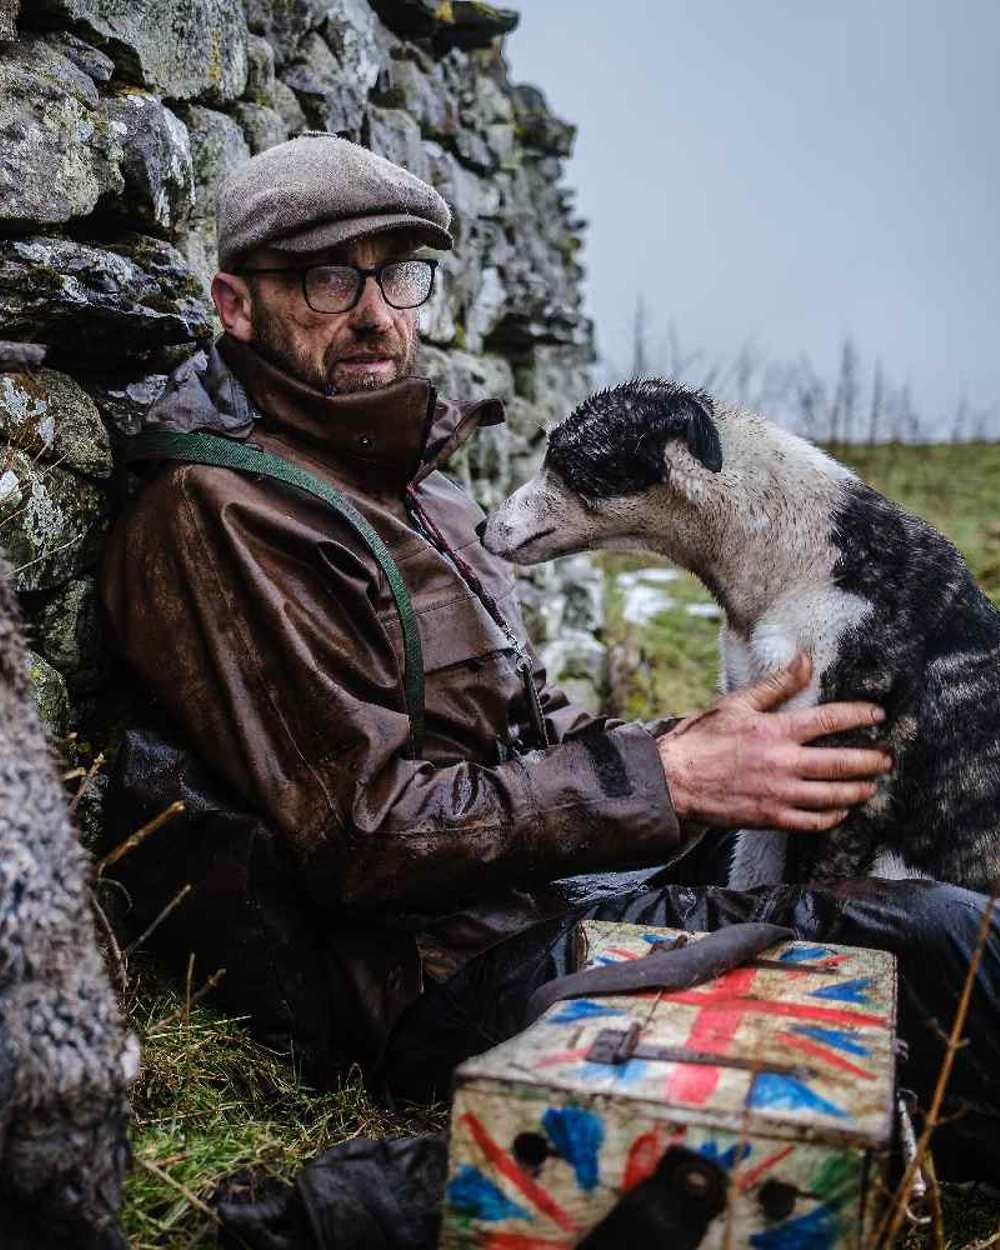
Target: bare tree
x=640, y=352
x=876, y=406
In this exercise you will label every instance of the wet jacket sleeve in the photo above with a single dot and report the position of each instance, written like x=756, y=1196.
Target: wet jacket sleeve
x=280, y=671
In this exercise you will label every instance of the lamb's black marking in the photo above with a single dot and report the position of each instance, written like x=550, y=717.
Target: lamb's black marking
x=613, y=443
x=929, y=653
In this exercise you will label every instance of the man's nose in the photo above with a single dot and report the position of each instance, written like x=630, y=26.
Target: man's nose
x=371, y=308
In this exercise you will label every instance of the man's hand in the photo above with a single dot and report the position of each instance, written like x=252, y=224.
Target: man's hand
x=743, y=765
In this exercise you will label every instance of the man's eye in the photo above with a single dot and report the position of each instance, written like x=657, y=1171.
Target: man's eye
x=334, y=280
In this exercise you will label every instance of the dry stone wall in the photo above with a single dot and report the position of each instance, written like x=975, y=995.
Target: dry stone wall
x=117, y=120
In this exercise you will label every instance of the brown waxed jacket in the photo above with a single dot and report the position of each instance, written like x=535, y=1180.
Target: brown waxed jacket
x=262, y=623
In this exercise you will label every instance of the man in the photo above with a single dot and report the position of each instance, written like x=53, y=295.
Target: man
x=368, y=895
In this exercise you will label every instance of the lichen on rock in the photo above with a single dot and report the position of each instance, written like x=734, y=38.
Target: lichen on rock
x=59, y=150
x=91, y=302
x=49, y=416
x=183, y=50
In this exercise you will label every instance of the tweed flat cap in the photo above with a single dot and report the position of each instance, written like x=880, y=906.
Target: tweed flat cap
x=318, y=190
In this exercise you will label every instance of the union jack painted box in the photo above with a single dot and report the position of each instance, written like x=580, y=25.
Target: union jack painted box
x=780, y=1071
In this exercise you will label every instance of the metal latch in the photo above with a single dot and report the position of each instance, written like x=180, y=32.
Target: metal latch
x=617, y=1046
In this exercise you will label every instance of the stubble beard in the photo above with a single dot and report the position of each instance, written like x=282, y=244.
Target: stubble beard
x=273, y=342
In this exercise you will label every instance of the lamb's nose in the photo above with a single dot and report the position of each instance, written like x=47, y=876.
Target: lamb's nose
x=481, y=528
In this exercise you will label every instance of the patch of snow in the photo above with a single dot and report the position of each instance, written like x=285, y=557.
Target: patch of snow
x=641, y=603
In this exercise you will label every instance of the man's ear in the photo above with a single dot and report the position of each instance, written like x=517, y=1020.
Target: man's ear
x=233, y=302
x=702, y=434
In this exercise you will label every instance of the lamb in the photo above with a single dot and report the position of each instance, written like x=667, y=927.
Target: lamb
x=66, y=1060
x=800, y=555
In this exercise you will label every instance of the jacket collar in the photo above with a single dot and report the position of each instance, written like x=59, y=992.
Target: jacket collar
x=386, y=438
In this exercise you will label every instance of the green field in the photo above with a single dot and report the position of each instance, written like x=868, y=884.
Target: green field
x=210, y=1104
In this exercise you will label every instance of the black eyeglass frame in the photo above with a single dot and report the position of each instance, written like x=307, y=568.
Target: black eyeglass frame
x=363, y=276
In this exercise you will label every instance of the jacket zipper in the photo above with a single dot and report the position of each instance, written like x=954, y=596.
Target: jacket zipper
x=523, y=664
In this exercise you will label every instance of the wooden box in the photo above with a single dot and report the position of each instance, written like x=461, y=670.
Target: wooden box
x=781, y=1071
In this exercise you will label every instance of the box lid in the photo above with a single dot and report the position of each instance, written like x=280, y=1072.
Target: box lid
x=798, y=1044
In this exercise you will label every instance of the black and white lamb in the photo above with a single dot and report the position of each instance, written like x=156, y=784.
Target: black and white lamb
x=801, y=555
x=65, y=1059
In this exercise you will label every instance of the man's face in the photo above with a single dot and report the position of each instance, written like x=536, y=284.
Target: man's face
x=370, y=345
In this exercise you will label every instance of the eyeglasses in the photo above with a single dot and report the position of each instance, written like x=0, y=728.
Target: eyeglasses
x=337, y=288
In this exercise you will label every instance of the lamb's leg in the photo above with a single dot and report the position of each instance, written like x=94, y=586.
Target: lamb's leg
x=759, y=858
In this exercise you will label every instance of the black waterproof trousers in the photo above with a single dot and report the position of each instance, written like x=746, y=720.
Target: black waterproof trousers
x=931, y=928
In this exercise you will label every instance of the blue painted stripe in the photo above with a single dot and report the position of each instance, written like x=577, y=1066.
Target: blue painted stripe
x=774, y=1091
x=582, y=1009
x=726, y=1158
x=845, y=991
x=819, y=1229
x=471, y=1192
x=578, y=1135
x=803, y=954
x=626, y=1073
x=836, y=1038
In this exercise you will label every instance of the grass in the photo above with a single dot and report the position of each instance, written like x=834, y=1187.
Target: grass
x=211, y=1104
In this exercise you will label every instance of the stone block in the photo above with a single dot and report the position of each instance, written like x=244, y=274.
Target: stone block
x=68, y=631
x=124, y=401
x=217, y=147
x=358, y=40
x=455, y=24
x=97, y=304
x=262, y=126
x=159, y=193
x=537, y=127
x=58, y=151
x=330, y=98
x=260, y=71
x=49, y=691
x=51, y=522
x=199, y=249
x=425, y=96
x=468, y=196
x=288, y=108
x=181, y=49
x=284, y=23
x=84, y=55
x=396, y=136
x=50, y=417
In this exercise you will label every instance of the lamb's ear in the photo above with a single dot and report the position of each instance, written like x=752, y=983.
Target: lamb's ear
x=702, y=435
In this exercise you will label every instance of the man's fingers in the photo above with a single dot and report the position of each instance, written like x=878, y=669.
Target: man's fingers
x=795, y=820
x=841, y=763
x=833, y=718
x=778, y=687
x=825, y=796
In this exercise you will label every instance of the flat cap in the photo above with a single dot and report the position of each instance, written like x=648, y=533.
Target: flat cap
x=318, y=190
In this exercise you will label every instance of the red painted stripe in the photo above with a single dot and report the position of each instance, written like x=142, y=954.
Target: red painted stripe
x=645, y=1154
x=712, y=1032
x=563, y=1056
x=506, y=1166
x=752, y=1175
x=620, y=950
x=824, y=1053
x=766, y=1007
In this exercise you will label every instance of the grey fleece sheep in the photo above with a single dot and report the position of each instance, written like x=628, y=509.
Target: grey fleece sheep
x=65, y=1058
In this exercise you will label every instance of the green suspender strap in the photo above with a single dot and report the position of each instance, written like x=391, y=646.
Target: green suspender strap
x=224, y=453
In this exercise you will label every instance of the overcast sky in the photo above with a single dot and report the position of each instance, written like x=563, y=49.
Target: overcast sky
x=786, y=172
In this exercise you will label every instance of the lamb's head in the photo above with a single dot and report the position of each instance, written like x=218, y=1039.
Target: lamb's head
x=614, y=471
